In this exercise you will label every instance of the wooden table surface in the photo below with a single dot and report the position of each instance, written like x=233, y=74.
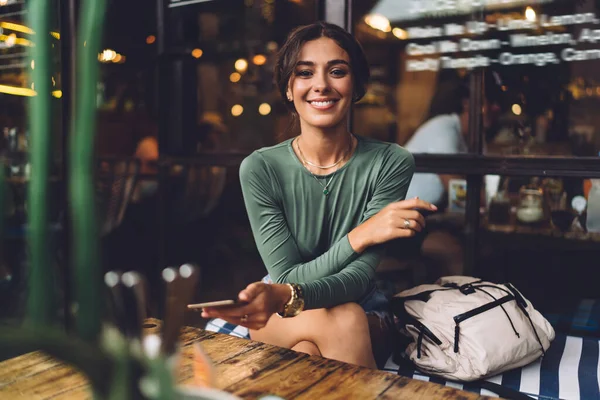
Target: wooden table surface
x=246, y=368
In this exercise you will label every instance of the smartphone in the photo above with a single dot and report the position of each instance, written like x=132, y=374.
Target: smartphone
x=215, y=304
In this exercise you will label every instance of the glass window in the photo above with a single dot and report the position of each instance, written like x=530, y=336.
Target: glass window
x=226, y=53
x=236, y=89
x=126, y=109
x=16, y=88
x=419, y=93
x=542, y=82
x=541, y=86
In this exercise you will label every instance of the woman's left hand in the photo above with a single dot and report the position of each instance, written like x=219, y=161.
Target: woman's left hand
x=260, y=301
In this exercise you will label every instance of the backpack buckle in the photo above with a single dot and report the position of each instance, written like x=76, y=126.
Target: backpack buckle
x=467, y=289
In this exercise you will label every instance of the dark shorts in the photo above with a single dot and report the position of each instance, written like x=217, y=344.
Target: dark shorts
x=375, y=303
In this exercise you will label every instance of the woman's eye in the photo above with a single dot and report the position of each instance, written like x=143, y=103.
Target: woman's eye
x=303, y=73
x=339, y=72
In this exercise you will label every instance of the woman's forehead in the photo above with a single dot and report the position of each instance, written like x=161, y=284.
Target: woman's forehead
x=321, y=51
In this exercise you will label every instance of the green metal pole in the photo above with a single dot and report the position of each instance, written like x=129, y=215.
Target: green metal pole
x=40, y=306
x=86, y=254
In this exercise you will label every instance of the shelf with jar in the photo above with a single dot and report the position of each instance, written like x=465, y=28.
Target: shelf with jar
x=540, y=209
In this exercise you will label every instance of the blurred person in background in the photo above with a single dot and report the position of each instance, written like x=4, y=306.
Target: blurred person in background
x=444, y=132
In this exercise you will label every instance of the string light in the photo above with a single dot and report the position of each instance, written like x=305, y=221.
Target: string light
x=400, y=33
x=264, y=109
x=259, y=59
x=516, y=109
x=197, y=53
x=378, y=22
x=17, y=91
x=237, y=110
x=241, y=65
x=16, y=27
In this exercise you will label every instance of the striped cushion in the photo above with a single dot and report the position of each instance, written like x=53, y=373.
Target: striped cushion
x=221, y=326
x=570, y=370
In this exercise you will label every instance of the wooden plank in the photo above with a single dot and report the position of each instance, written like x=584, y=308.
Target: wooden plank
x=218, y=351
x=257, y=361
x=413, y=389
x=221, y=347
x=24, y=365
x=45, y=385
x=77, y=393
x=286, y=379
x=350, y=381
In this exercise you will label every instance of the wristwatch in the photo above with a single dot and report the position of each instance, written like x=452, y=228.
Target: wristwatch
x=296, y=303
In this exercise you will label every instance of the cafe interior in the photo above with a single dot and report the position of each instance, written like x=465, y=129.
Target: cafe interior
x=185, y=91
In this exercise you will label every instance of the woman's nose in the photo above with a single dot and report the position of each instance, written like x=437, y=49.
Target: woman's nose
x=320, y=83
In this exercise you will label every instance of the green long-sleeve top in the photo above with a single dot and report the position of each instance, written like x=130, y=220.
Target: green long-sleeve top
x=302, y=234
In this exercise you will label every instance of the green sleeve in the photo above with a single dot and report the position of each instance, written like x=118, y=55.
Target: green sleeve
x=339, y=275
x=352, y=282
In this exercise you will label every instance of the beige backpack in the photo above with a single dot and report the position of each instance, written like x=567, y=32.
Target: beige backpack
x=466, y=329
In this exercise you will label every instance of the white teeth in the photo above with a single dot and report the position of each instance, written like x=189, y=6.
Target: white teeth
x=322, y=103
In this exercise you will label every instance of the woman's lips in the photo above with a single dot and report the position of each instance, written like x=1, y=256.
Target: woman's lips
x=322, y=104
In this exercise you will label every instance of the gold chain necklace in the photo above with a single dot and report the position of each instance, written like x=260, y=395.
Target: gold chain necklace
x=325, y=187
x=305, y=161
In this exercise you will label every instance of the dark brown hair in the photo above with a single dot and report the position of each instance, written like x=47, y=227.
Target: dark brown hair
x=288, y=57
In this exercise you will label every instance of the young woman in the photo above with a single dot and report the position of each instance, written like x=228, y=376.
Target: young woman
x=320, y=207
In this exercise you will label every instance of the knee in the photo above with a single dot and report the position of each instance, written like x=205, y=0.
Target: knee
x=348, y=317
x=307, y=347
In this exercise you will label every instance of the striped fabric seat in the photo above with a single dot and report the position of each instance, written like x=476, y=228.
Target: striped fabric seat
x=222, y=326
x=570, y=370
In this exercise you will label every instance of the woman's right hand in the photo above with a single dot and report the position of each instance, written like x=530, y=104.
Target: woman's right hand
x=396, y=220
x=259, y=302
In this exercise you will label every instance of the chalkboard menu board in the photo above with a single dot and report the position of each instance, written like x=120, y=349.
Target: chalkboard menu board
x=518, y=37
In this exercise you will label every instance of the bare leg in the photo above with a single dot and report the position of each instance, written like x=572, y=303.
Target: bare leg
x=340, y=333
x=307, y=347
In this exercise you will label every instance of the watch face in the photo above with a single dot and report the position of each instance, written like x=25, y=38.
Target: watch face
x=297, y=307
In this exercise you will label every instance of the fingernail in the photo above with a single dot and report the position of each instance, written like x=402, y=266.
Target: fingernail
x=204, y=314
x=416, y=197
x=433, y=207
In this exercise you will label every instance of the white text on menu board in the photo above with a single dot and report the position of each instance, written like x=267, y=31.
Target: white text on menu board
x=437, y=53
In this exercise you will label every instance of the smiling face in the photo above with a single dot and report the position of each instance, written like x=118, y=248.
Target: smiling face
x=321, y=86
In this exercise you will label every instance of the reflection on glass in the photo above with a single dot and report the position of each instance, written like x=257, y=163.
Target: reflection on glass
x=553, y=207
x=539, y=60
x=16, y=87
x=443, y=132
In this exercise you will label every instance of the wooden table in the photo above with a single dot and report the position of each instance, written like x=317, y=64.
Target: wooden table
x=246, y=368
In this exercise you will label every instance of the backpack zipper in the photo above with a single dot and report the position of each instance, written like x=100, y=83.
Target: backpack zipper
x=476, y=311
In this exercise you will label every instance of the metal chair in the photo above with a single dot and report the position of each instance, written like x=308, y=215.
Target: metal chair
x=115, y=185
x=197, y=192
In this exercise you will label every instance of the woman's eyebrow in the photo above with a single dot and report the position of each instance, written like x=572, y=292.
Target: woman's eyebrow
x=329, y=63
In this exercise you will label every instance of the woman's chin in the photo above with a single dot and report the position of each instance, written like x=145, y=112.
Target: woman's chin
x=325, y=124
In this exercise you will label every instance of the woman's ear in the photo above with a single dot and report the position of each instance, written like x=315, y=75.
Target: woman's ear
x=289, y=96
